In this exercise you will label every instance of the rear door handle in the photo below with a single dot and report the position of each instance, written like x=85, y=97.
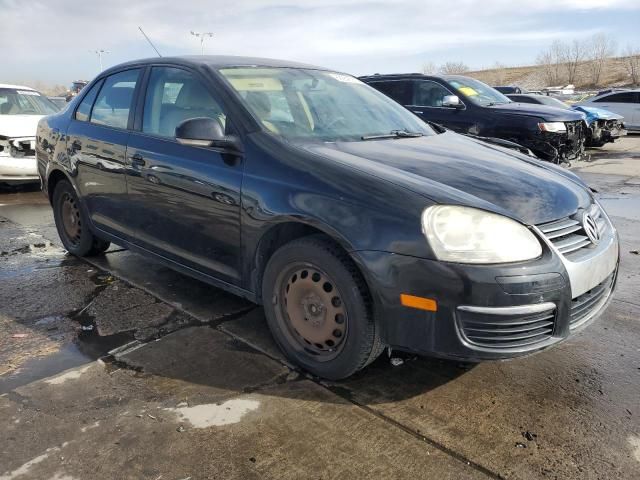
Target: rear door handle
x=137, y=160
x=418, y=112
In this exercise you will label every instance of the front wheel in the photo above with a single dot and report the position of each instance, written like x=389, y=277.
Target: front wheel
x=72, y=224
x=319, y=310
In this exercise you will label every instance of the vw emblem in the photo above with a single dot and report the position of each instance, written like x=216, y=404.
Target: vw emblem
x=591, y=228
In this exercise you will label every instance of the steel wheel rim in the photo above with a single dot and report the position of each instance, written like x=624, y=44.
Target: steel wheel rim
x=71, y=219
x=312, y=310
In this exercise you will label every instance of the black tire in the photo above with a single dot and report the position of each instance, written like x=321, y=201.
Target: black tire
x=72, y=223
x=359, y=341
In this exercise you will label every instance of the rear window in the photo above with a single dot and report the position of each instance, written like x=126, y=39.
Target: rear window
x=113, y=104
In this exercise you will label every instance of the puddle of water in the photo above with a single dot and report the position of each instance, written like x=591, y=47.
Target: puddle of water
x=87, y=348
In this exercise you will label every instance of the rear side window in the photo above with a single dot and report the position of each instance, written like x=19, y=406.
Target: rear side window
x=429, y=94
x=84, y=110
x=399, y=90
x=114, y=101
x=173, y=96
x=625, y=97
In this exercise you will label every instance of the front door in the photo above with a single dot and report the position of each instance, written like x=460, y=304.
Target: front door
x=427, y=103
x=184, y=200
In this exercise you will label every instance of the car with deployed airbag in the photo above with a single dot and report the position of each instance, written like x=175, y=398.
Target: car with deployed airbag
x=21, y=108
x=356, y=225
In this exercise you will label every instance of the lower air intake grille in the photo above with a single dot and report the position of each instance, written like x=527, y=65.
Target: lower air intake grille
x=507, y=331
x=583, y=305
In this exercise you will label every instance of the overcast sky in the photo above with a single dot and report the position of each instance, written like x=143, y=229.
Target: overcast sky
x=50, y=40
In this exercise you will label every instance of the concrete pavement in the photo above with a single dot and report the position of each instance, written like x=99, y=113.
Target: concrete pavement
x=194, y=386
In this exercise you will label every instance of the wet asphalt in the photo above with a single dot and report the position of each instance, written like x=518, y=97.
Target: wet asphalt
x=117, y=367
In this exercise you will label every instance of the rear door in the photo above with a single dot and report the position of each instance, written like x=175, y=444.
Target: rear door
x=96, y=146
x=184, y=200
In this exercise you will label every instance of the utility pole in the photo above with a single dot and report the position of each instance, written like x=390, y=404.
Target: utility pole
x=99, y=52
x=202, y=36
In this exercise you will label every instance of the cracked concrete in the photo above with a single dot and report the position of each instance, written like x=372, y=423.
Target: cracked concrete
x=201, y=390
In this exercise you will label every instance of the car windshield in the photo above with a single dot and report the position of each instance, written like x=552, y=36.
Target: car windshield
x=14, y=101
x=477, y=92
x=308, y=104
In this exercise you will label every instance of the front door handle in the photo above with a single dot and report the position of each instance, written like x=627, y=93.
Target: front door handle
x=137, y=160
x=417, y=112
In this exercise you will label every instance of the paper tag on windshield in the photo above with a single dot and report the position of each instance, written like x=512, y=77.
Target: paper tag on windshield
x=28, y=92
x=344, y=78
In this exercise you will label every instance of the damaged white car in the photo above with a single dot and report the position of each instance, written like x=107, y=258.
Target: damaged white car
x=20, y=110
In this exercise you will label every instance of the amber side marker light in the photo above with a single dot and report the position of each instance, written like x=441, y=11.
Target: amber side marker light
x=421, y=303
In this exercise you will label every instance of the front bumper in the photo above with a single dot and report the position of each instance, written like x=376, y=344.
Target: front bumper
x=18, y=169
x=490, y=311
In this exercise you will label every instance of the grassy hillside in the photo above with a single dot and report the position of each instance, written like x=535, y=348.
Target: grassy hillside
x=532, y=77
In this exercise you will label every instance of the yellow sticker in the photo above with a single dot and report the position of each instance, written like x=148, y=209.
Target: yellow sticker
x=468, y=91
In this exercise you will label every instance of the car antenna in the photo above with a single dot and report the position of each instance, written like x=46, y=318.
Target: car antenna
x=150, y=42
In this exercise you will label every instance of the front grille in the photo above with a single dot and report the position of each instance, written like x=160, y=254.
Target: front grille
x=583, y=305
x=574, y=129
x=507, y=331
x=568, y=235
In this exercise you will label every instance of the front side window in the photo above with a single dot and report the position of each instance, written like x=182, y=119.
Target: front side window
x=399, y=90
x=626, y=97
x=173, y=96
x=477, y=92
x=15, y=101
x=114, y=102
x=308, y=104
x=84, y=109
x=429, y=94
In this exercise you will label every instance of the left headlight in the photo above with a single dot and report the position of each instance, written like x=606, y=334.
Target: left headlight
x=469, y=235
x=555, y=127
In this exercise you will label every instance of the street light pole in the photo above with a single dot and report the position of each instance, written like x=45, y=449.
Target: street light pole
x=99, y=53
x=202, y=36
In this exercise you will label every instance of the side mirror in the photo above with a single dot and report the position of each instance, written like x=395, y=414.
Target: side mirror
x=452, y=101
x=204, y=132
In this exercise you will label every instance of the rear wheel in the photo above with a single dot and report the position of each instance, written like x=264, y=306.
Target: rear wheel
x=318, y=308
x=72, y=224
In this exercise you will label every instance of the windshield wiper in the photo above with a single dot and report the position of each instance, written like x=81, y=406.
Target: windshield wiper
x=393, y=134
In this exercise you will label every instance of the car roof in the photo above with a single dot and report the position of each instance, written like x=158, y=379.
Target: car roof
x=17, y=87
x=216, y=61
x=400, y=76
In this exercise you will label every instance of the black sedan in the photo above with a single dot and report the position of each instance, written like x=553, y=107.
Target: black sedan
x=355, y=224
x=466, y=105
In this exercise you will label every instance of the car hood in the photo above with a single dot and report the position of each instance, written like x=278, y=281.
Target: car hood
x=451, y=168
x=547, y=113
x=19, y=125
x=594, y=113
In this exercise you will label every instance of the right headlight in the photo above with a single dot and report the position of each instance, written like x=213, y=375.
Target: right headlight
x=469, y=235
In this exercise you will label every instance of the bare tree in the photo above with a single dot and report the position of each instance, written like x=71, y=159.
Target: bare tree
x=632, y=63
x=600, y=48
x=551, y=62
x=571, y=55
x=499, y=74
x=453, y=68
x=429, y=68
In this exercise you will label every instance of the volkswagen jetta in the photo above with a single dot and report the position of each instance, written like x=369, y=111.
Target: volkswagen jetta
x=356, y=225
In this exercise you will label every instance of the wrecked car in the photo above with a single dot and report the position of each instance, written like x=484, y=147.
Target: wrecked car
x=601, y=126
x=466, y=105
x=20, y=110
x=355, y=224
